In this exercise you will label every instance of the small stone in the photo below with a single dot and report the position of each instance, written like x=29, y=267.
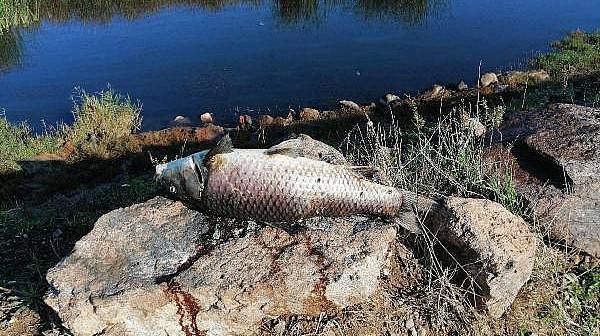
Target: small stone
x=245, y=121
x=436, y=90
x=514, y=78
x=488, y=79
x=388, y=99
x=309, y=114
x=206, y=118
x=538, y=76
x=180, y=121
x=349, y=105
x=280, y=121
x=265, y=120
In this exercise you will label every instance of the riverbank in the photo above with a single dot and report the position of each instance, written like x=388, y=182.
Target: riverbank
x=59, y=183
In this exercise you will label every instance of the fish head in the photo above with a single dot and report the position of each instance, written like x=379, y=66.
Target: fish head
x=184, y=177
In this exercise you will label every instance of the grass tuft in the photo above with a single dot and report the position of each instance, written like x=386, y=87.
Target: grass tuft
x=442, y=158
x=101, y=123
x=17, y=142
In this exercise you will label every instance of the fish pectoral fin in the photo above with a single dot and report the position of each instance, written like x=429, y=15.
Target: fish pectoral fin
x=224, y=146
x=366, y=171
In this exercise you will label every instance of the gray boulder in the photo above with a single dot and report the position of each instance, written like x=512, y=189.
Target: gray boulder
x=495, y=247
x=154, y=269
x=559, y=158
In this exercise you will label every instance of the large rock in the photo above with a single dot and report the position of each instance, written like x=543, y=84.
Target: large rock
x=494, y=246
x=152, y=269
x=559, y=156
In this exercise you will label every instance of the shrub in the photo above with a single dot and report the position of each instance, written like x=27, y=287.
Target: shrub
x=577, y=53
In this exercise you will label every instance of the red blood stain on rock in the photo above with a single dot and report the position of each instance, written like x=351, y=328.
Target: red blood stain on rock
x=187, y=309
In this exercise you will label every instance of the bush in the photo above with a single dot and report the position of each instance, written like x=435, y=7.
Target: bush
x=577, y=53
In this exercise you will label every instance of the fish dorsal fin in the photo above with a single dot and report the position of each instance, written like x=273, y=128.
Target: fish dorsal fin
x=224, y=146
x=293, y=151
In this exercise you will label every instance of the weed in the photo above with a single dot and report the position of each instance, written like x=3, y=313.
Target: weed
x=444, y=158
x=102, y=121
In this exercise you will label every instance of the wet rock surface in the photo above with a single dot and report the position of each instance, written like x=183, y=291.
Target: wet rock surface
x=149, y=270
x=495, y=247
x=558, y=156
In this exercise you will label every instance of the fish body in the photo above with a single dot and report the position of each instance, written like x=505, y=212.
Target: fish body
x=276, y=185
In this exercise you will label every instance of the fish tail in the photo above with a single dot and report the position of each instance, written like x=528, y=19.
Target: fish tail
x=413, y=206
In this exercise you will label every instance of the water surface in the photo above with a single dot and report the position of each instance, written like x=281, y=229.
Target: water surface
x=234, y=56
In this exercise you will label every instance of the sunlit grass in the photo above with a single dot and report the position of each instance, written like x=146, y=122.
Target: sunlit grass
x=102, y=122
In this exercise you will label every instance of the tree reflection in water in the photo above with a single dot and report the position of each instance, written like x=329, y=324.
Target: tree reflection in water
x=17, y=14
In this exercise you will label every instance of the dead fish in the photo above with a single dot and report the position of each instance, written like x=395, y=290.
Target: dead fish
x=276, y=185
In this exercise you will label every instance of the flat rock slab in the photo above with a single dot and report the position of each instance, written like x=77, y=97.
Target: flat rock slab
x=147, y=270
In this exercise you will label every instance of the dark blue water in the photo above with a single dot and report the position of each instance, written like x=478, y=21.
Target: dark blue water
x=182, y=60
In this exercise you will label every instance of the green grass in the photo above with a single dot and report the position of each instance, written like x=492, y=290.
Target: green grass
x=102, y=122
x=577, y=53
x=101, y=125
x=17, y=142
x=15, y=13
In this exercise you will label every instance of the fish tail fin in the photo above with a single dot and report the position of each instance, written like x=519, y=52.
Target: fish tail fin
x=413, y=207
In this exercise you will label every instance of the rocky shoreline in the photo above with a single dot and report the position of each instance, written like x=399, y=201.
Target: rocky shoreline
x=162, y=267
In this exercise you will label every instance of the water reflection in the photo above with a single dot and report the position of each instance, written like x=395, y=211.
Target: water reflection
x=11, y=46
x=16, y=14
x=407, y=11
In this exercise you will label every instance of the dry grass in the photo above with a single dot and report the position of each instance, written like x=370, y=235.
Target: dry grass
x=102, y=122
x=448, y=158
x=442, y=158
